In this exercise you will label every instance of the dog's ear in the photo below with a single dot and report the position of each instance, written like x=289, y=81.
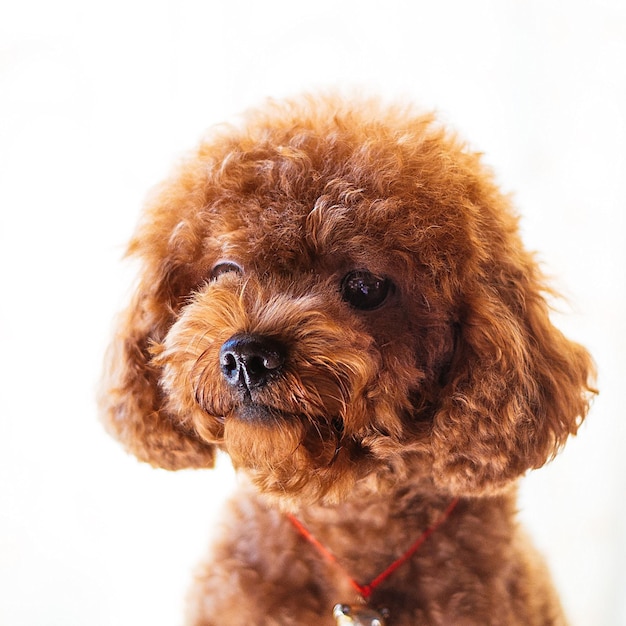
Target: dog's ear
x=517, y=387
x=132, y=402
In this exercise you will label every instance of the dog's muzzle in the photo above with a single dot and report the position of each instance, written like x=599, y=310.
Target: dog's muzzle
x=250, y=361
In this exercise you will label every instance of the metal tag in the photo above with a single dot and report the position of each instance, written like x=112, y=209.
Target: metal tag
x=347, y=615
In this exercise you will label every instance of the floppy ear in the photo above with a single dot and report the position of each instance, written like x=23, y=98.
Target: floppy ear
x=131, y=400
x=517, y=387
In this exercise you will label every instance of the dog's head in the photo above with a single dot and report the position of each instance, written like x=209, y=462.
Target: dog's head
x=336, y=292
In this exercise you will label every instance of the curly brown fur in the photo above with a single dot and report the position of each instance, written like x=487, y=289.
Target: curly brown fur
x=364, y=420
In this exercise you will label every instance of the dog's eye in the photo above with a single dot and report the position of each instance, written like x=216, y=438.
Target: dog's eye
x=224, y=268
x=365, y=291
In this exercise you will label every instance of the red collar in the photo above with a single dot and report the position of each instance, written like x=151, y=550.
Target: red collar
x=365, y=591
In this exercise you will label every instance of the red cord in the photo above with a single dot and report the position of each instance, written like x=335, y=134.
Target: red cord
x=366, y=590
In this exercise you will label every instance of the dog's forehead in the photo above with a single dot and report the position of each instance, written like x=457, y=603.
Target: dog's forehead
x=302, y=234
x=336, y=193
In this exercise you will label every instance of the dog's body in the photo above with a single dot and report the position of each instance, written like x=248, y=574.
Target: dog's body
x=339, y=299
x=476, y=568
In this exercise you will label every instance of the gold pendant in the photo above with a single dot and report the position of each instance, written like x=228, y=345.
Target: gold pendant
x=359, y=616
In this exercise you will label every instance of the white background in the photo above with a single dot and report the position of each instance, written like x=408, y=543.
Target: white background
x=97, y=100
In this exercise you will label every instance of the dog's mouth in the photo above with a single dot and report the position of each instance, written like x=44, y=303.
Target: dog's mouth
x=253, y=413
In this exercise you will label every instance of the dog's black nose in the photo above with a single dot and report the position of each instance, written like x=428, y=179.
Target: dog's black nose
x=249, y=361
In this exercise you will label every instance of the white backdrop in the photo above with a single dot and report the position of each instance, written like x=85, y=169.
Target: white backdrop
x=96, y=102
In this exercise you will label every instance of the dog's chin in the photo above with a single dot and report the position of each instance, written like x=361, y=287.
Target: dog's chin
x=291, y=459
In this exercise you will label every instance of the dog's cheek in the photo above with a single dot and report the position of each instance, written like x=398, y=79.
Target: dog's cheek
x=390, y=397
x=189, y=376
x=339, y=388
x=181, y=401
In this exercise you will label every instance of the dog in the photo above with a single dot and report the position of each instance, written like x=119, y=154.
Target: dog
x=335, y=293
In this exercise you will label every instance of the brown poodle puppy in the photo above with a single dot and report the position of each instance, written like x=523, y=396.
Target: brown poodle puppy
x=336, y=295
